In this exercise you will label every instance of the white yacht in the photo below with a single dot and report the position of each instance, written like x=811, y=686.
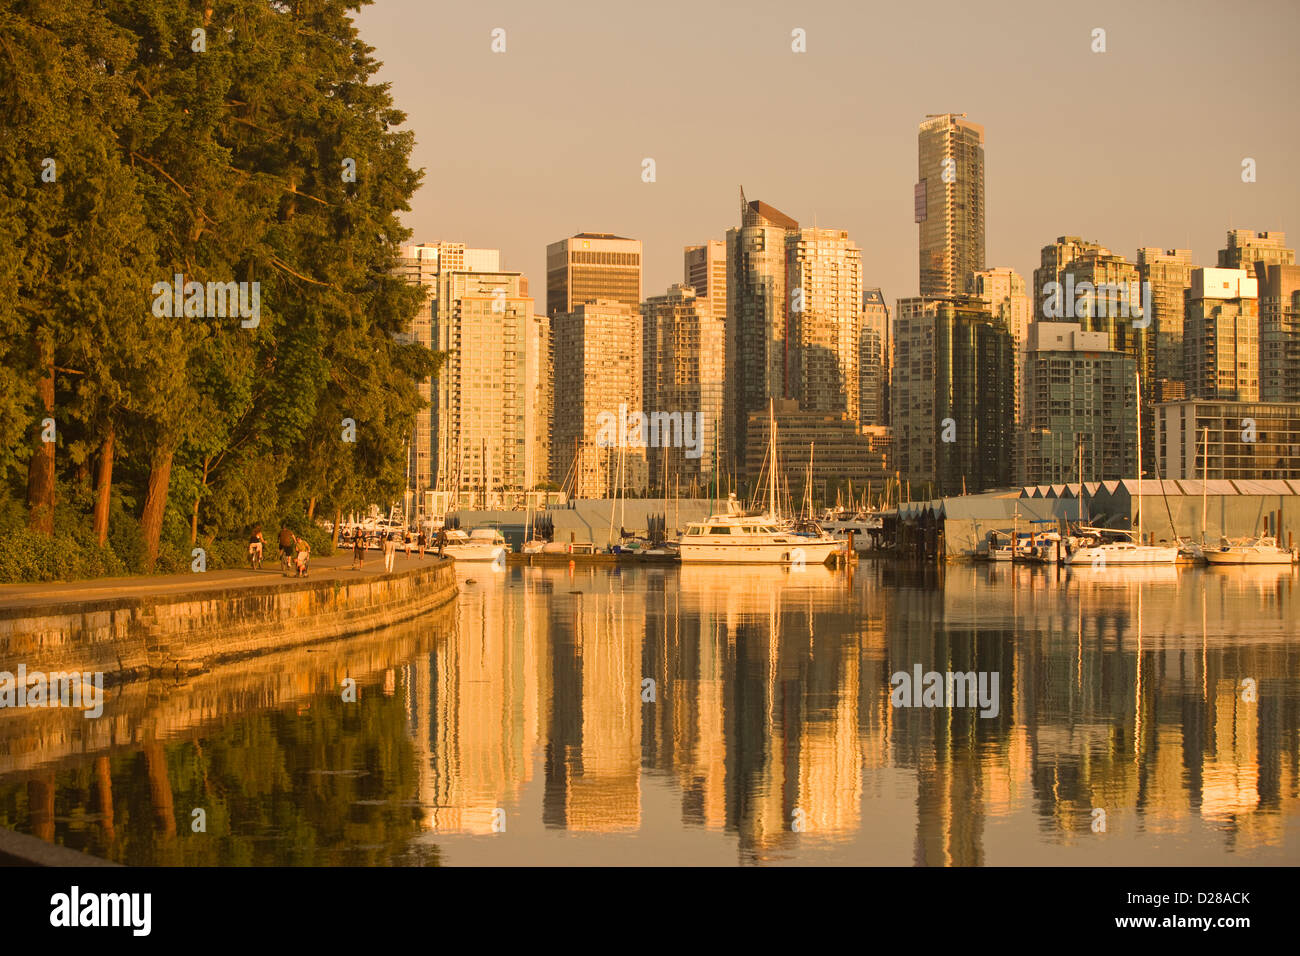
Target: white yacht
x=1249, y=551
x=733, y=537
x=1124, y=549
x=481, y=544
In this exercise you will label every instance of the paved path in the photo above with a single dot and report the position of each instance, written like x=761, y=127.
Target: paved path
x=338, y=567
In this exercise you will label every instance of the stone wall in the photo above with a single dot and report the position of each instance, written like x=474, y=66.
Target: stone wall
x=157, y=635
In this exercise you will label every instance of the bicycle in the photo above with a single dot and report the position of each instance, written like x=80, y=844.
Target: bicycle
x=287, y=563
x=255, y=555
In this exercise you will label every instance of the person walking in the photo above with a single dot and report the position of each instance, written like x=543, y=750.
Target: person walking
x=304, y=555
x=358, y=552
x=442, y=540
x=422, y=541
x=288, y=545
x=408, y=539
x=390, y=552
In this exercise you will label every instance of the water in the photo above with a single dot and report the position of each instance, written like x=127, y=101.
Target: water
x=1143, y=716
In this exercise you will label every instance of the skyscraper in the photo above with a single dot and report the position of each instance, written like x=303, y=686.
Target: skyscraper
x=597, y=381
x=1221, y=339
x=1168, y=274
x=421, y=264
x=1279, y=332
x=1004, y=291
x=757, y=341
x=952, y=397
x=873, y=360
x=1246, y=247
x=488, y=414
x=1266, y=257
x=682, y=348
x=1053, y=260
x=824, y=279
x=590, y=266
x=949, y=202
x=1081, y=403
x=706, y=272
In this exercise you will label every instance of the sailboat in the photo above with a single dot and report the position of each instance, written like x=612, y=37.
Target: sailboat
x=735, y=536
x=1125, y=547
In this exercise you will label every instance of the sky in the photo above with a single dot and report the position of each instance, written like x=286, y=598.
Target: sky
x=1140, y=145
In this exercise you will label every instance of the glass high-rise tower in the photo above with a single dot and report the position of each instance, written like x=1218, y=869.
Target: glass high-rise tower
x=950, y=203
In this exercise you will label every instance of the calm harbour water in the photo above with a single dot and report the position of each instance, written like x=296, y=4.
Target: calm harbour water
x=1145, y=716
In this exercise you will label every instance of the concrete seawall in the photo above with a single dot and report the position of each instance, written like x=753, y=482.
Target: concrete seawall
x=160, y=634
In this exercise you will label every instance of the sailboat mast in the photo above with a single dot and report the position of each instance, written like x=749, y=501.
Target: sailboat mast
x=1137, y=380
x=771, y=479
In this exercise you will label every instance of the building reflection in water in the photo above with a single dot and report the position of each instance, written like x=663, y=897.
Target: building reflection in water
x=752, y=705
x=771, y=713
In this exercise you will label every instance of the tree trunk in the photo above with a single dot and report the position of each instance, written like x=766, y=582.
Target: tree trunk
x=104, y=487
x=40, y=474
x=334, y=539
x=155, y=503
x=311, y=508
x=194, y=518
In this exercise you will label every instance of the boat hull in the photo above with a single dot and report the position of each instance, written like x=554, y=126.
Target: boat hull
x=474, y=552
x=788, y=552
x=1247, y=557
x=1124, y=556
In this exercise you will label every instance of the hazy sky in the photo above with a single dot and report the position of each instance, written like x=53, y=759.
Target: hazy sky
x=1140, y=145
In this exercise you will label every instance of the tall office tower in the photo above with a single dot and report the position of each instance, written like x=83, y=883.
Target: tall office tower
x=953, y=398
x=873, y=360
x=1246, y=247
x=1221, y=338
x=706, y=272
x=949, y=202
x=757, y=345
x=1168, y=274
x=1081, y=404
x=590, y=266
x=489, y=397
x=1004, y=290
x=824, y=282
x=1053, y=260
x=1279, y=332
x=597, y=350
x=421, y=264
x=682, y=346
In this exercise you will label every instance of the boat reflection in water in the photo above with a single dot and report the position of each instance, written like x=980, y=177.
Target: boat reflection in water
x=710, y=714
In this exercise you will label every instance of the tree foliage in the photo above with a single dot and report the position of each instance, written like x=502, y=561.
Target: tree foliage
x=211, y=142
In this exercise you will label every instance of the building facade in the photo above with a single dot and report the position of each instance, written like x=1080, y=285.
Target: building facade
x=1221, y=338
x=874, y=360
x=838, y=450
x=757, y=332
x=1053, y=260
x=488, y=419
x=1247, y=440
x=682, y=349
x=1081, y=407
x=1279, y=332
x=596, y=439
x=953, y=396
x=949, y=203
x=824, y=279
x=1168, y=275
x=705, y=271
x=590, y=266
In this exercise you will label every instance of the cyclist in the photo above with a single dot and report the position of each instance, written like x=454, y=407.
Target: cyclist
x=256, y=542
